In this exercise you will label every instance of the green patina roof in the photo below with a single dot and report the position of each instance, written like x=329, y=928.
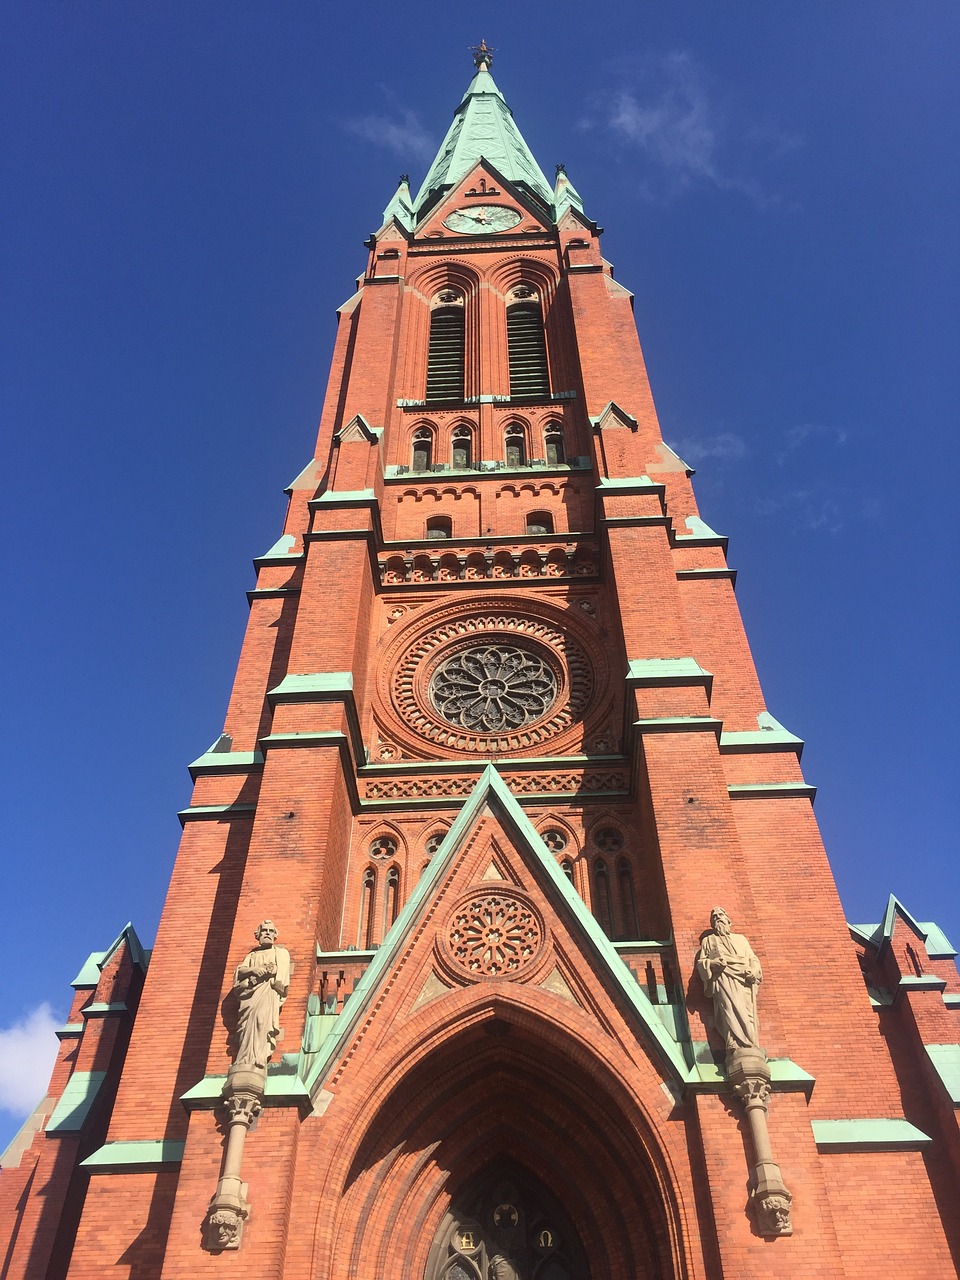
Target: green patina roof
x=483, y=128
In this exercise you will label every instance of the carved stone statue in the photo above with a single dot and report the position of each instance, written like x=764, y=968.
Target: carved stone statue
x=731, y=974
x=261, y=983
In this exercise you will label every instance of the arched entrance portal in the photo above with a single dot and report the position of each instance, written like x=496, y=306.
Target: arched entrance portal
x=505, y=1097
x=506, y=1226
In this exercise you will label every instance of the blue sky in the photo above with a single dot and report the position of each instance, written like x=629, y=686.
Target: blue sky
x=187, y=188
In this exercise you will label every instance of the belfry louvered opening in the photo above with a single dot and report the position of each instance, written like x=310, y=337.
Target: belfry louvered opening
x=527, y=349
x=445, y=357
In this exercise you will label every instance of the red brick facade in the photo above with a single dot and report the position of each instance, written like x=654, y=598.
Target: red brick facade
x=348, y=801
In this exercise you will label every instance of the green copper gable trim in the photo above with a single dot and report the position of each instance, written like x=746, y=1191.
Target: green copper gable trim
x=323, y=686
x=216, y=762
x=700, y=535
x=492, y=792
x=71, y=1111
x=655, y=673
x=216, y=812
x=280, y=553
x=946, y=1063
x=283, y=1088
x=708, y=1076
x=97, y=961
x=770, y=736
x=771, y=791
x=134, y=1157
x=867, y=1135
x=680, y=724
x=934, y=939
x=346, y=498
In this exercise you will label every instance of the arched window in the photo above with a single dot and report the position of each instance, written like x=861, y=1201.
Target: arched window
x=422, y=449
x=539, y=522
x=628, y=901
x=566, y=866
x=526, y=344
x=601, y=897
x=445, y=355
x=553, y=439
x=367, y=895
x=439, y=527
x=515, y=445
x=391, y=899
x=462, y=452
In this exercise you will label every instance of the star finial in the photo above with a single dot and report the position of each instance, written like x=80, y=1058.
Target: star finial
x=482, y=55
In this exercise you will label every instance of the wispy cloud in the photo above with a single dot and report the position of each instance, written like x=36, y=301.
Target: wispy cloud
x=667, y=111
x=726, y=445
x=821, y=508
x=817, y=433
x=400, y=131
x=28, y=1049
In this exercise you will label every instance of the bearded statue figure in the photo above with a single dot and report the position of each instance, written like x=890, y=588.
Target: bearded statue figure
x=731, y=974
x=261, y=983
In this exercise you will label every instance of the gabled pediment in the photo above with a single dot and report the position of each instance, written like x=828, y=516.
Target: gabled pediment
x=358, y=429
x=483, y=189
x=494, y=916
x=613, y=417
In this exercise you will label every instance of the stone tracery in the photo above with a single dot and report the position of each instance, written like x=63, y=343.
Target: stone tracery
x=493, y=687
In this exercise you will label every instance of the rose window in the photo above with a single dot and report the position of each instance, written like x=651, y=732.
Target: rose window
x=493, y=687
x=494, y=936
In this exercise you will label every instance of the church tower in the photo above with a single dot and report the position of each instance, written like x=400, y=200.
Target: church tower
x=501, y=943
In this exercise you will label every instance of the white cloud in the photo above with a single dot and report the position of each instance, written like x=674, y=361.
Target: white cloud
x=725, y=444
x=28, y=1050
x=402, y=133
x=810, y=432
x=667, y=112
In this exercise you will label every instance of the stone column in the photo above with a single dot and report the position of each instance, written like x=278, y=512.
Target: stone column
x=749, y=1074
x=229, y=1208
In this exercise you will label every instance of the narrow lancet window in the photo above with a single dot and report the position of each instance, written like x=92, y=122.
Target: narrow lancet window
x=526, y=345
x=554, y=443
x=515, y=446
x=628, y=900
x=367, y=895
x=462, y=453
x=601, y=897
x=391, y=899
x=445, y=356
x=422, y=458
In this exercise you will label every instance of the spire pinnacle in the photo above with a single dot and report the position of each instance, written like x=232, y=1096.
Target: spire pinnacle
x=482, y=55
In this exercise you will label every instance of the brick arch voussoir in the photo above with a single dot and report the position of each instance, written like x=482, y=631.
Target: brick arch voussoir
x=438, y=1105
x=525, y=270
x=449, y=272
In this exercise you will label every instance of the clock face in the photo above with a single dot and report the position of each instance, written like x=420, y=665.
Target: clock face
x=482, y=220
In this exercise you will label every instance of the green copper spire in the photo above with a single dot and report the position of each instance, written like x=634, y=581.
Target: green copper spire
x=401, y=206
x=483, y=127
x=565, y=194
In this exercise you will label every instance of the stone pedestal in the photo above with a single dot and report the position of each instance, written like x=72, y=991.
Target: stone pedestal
x=749, y=1074
x=229, y=1208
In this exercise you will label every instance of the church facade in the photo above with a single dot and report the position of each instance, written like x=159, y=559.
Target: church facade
x=501, y=943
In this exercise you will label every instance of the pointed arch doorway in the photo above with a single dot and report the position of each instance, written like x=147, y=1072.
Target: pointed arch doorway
x=506, y=1225
x=499, y=1095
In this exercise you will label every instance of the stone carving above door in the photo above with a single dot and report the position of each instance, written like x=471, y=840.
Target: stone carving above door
x=493, y=935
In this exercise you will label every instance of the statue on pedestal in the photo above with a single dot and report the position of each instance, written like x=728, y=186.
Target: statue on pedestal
x=261, y=983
